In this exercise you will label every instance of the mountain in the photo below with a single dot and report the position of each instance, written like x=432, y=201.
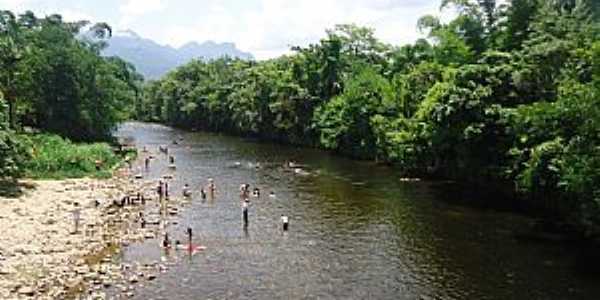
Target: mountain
x=154, y=60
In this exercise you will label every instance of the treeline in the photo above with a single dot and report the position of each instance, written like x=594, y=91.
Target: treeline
x=502, y=93
x=54, y=80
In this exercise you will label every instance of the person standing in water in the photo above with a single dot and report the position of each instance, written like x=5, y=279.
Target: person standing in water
x=211, y=187
x=147, y=163
x=245, y=205
x=186, y=191
x=285, y=222
x=160, y=189
x=166, y=190
x=166, y=242
x=189, y=233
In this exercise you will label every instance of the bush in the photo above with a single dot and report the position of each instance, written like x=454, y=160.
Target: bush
x=55, y=157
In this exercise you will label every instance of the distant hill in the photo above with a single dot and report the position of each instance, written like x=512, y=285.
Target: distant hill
x=154, y=60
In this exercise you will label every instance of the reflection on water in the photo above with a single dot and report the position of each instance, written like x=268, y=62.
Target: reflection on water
x=356, y=232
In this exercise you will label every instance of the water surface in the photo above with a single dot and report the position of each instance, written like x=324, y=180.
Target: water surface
x=356, y=232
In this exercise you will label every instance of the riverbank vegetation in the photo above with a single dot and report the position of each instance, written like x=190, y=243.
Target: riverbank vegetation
x=57, y=158
x=53, y=79
x=502, y=94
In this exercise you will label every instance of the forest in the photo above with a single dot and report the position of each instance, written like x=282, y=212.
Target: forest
x=502, y=95
x=55, y=88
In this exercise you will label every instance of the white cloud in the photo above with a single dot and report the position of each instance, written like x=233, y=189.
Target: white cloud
x=140, y=7
x=267, y=28
x=73, y=15
x=133, y=9
x=14, y=5
x=275, y=25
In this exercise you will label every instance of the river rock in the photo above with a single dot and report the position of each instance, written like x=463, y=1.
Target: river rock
x=6, y=270
x=26, y=291
x=133, y=279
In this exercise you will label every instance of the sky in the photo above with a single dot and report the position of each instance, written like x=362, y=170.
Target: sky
x=265, y=28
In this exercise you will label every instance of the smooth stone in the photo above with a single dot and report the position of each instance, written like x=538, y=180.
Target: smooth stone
x=25, y=290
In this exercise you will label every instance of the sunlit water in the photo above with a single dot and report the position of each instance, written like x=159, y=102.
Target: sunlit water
x=356, y=232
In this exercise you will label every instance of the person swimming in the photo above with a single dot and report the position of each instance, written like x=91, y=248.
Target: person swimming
x=272, y=194
x=256, y=192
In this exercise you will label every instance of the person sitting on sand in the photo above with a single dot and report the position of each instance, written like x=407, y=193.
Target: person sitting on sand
x=142, y=220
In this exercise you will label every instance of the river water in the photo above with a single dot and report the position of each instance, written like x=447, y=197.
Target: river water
x=357, y=231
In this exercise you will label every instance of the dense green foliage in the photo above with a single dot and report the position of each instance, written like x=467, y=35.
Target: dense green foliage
x=55, y=157
x=503, y=93
x=53, y=78
x=12, y=151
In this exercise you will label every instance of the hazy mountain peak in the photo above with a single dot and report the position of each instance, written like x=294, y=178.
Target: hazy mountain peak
x=154, y=60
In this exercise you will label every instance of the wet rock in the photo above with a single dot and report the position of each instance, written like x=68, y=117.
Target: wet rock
x=133, y=279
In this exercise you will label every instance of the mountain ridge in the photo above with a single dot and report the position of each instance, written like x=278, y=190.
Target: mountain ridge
x=154, y=60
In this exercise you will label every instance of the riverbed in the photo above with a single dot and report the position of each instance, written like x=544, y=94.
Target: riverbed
x=357, y=231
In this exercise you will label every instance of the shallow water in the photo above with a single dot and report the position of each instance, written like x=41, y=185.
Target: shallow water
x=356, y=232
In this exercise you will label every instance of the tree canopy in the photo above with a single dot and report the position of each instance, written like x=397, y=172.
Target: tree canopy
x=502, y=93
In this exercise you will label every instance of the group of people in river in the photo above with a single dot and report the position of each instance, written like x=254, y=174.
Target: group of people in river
x=163, y=191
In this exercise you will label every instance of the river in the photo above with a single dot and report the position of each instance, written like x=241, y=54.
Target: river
x=357, y=231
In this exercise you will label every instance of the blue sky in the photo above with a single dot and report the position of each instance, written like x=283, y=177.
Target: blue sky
x=266, y=28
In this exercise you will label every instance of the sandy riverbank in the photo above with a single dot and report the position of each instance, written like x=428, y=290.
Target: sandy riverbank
x=40, y=255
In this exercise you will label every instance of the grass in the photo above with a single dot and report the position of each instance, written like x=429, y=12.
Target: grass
x=53, y=157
